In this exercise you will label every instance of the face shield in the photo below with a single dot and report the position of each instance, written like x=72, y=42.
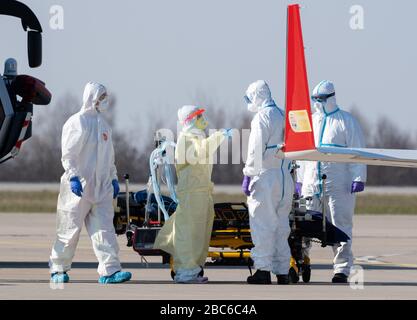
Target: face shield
x=192, y=118
x=201, y=123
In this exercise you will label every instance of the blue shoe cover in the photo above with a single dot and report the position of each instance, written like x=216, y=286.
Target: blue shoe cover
x=59, y=278
x=118, y=277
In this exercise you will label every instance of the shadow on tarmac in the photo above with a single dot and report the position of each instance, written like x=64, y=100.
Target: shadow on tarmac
x=156, y=265
x=10, y=282
x=77, y=265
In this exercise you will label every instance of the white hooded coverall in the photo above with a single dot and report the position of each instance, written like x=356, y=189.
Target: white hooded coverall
x=335, y=128
x=87, y=153
x=271, y=186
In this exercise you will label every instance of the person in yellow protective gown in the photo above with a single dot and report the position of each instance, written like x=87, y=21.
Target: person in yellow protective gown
x=186, y=235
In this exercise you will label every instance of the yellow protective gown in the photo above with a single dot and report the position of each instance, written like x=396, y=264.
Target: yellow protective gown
x=186, y=235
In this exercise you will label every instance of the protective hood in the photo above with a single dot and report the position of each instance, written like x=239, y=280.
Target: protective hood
x=259, y=96
x=325, y=93
x=92, y=92
x=187, y=116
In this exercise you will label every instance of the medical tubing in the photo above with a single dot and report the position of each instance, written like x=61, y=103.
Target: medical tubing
x=169, y=180
x=156, y=189
x=158, y=154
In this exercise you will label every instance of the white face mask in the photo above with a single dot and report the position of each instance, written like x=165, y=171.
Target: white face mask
x=103, y=105
x=252, y=107
x=319, y=107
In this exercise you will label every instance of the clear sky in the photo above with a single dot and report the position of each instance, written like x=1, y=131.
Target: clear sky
x=155, y=55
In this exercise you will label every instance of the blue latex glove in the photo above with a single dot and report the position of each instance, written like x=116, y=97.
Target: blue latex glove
x=116, y=188
x=357, y=186
x=298, y=187
x=228, y=133
x=245, y=185
x=76, y=186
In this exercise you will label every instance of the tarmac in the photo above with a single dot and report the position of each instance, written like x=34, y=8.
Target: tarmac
x=385, y=268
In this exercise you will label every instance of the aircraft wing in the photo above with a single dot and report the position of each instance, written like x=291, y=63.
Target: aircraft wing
x=299, y=141
x=376, y=157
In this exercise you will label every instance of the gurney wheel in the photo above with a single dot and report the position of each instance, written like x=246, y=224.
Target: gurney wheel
x=293, y=275
x=306, y=274
x=201, y=274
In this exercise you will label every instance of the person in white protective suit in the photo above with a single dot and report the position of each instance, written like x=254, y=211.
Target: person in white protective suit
x=186, y=235
x=87, y=189
x=336, y=128
x=269, y=186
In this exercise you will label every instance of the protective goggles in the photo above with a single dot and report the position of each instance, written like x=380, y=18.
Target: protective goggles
x=322, y=97
x=247, y=100
x=103, y=97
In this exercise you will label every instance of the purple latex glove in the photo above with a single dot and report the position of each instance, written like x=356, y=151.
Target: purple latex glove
x=245, y=185
x=357, y=186
x=298, y=187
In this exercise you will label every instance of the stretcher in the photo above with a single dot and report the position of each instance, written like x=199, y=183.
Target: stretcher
x=137, y=216
x=141, y=215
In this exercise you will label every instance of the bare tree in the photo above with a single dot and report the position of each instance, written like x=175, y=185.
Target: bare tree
x=366, y=128
x=388, y=135
x=40, y=159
